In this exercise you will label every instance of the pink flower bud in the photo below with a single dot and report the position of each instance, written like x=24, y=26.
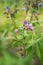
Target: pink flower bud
x=16, y=31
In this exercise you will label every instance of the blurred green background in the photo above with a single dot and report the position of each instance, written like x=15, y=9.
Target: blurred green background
x=7, y=36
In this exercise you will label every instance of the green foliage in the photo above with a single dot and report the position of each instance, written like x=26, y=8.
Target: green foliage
x=26, y=38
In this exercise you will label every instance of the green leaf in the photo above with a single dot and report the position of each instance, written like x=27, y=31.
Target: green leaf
x=35, y=42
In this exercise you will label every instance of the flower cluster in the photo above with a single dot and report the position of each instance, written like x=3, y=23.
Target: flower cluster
x=28, y=26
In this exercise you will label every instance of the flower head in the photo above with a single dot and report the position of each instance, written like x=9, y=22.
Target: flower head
x=39, y=4
x=31, y=27
x=6, y=8
x=25, y=22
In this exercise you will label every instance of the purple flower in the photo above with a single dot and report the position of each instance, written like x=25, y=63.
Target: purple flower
x=39, y=4
x=25, y=22
x=31, y=27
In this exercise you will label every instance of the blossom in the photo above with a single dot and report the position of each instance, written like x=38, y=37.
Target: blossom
x=31, y=27
x=6, y=8
x=39, y=4
x=28, y=26
x=25, y=24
